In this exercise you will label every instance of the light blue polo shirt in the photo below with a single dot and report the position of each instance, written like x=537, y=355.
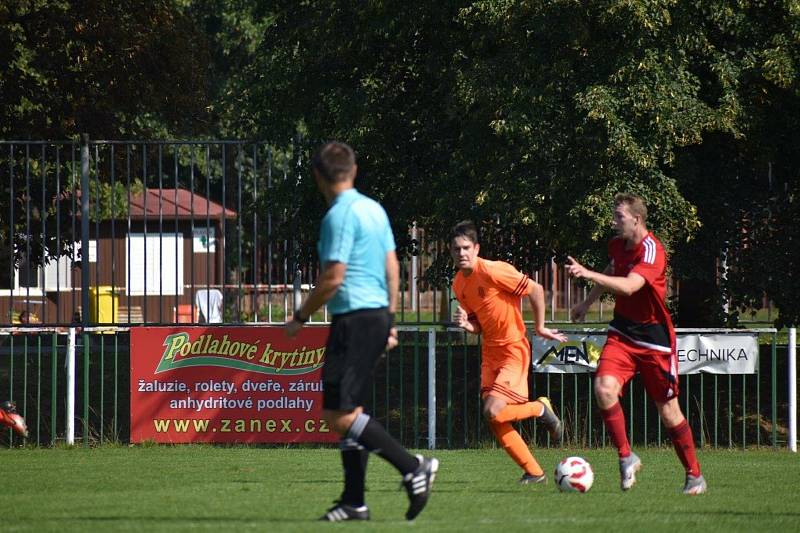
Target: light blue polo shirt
x=356, y=232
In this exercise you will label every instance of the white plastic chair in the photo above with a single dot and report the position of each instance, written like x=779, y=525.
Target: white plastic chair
x=209, y=302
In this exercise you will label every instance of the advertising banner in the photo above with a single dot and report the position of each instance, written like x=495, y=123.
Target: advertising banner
x=735, y=353
x=227, y=384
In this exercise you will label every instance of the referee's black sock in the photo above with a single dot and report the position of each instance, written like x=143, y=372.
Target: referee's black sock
x=354, y=462
x=375, y=438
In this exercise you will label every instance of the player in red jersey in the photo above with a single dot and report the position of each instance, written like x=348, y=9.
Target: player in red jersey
x=10, y=418
x=641, y=338
x=489, y=295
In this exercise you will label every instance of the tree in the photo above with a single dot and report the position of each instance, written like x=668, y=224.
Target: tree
x=744, y=179
x=111, y=69
x=494, y=111
x=525, y=116
x=529, y=116
x=108, y=68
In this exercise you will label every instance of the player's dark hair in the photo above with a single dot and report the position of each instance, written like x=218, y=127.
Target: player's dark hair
x=334, y=161
x=635, y=204
x=466, y=229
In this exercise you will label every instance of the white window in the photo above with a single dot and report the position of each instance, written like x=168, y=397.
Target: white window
x=155, y=264
x=58, y=274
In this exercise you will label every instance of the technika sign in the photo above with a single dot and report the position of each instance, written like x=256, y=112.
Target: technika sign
x=730, y=353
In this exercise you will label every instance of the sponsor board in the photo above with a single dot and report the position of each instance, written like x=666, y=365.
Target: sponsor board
x=227, y=384
x=735, y=353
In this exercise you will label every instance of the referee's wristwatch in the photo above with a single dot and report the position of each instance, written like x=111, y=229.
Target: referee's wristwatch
x=299, y=317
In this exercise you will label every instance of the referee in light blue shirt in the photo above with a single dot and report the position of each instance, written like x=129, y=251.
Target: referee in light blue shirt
x=359, y=281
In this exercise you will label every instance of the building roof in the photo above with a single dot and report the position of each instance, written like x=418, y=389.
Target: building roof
x=174, y=204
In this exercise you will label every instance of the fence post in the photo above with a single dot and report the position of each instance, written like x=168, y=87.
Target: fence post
x=431, y=389
x=792, y=351
x=414, y=267
x=85, y=229
x=70, y=431
x=85, y=275
x=297, y=290
x=553, y=289
x=774, y=386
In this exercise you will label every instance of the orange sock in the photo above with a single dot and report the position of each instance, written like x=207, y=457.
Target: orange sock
x=519, y=411
x=512, y=443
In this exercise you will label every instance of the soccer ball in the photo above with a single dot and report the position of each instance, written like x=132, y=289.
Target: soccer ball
x=574, y=474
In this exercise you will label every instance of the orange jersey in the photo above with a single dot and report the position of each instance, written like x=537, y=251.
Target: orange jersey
x=491, y=296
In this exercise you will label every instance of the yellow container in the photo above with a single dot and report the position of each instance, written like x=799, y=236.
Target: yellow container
x=103, y=305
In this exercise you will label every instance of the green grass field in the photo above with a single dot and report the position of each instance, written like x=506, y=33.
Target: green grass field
x=231, y=489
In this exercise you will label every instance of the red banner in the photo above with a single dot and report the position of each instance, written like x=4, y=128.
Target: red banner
x=237, y=384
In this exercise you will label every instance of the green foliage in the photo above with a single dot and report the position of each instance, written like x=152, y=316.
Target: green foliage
x=764, y=258
x=493, y=111
x=111, y=69
x=110, y=201
x=743, y=176
x=99, y=67
x=529, y=117
x=234, y=30
x=525, y=116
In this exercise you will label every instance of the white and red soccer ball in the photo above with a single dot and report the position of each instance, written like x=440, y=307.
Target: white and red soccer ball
x=574, y=474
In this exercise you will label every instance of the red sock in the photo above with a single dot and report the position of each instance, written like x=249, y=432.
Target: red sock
x=683, y=441
x=614, y=420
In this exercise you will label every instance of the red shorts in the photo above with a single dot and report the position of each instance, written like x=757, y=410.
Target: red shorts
x=504, y=371
x=622, y=359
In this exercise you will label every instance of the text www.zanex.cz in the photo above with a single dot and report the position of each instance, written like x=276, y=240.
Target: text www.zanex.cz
x=240, y=425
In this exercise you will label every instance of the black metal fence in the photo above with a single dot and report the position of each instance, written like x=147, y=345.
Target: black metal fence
x=117, y=234
x=164, y=232
x=141, y=227
x=726, y=411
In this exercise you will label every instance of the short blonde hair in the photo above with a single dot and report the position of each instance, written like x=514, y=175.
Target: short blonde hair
x=635, y=204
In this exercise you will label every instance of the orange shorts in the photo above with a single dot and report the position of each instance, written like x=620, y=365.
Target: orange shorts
x=504, y=371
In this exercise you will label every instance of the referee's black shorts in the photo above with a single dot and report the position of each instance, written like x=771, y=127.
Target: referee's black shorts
x=355, y=344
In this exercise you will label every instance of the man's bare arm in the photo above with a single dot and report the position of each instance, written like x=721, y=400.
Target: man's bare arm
x=328, y=283
x=392, y=279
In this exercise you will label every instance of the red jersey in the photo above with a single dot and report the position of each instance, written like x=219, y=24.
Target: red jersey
x=491, y=296
x=643, y=317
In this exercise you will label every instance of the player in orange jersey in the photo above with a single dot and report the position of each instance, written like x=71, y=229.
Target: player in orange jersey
x=489, y=295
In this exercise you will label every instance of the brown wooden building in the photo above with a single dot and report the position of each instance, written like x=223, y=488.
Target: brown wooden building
x=151, y=262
